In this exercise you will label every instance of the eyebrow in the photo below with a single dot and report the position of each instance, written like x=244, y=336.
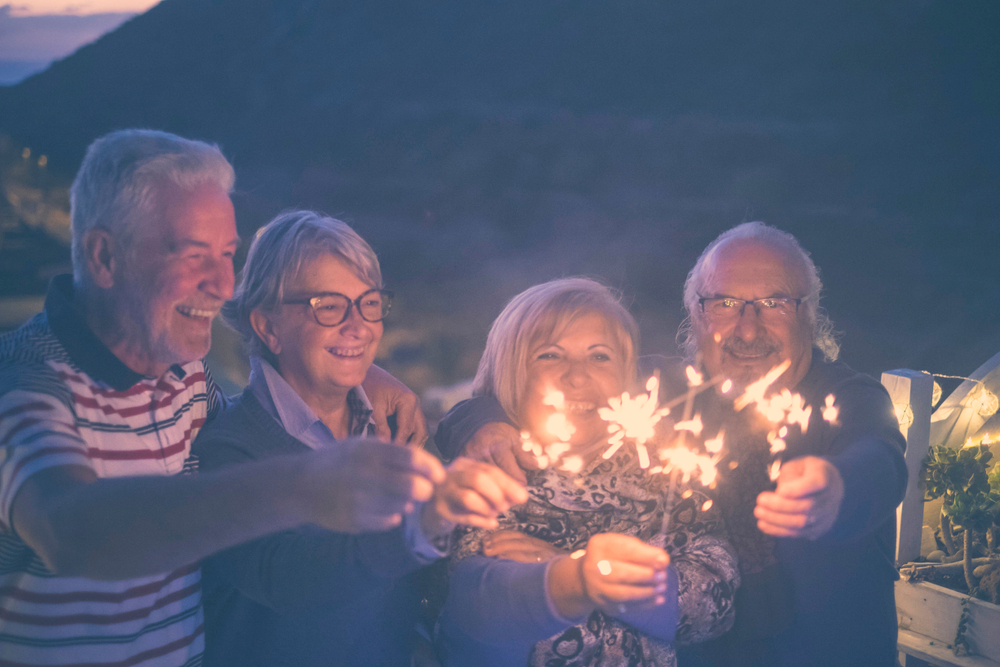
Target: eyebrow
x=776, y=295
x=182, y=244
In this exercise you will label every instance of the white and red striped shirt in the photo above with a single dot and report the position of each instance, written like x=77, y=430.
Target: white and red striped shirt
x=66, y=400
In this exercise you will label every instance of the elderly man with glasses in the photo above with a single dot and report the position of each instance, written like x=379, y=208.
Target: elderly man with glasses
x=816, y=549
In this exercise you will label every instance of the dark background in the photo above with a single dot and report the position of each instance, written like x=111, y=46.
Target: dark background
x=482, y=147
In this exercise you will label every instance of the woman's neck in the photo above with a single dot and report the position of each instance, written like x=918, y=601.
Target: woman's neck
x=329, y=404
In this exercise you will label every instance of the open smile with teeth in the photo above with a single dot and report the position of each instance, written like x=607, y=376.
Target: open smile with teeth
x=346, y=352
x=196, y=313
x=580, y=406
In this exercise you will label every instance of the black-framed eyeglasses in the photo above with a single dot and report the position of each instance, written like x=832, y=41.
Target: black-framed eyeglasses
x=332, y=308
x=773, y=308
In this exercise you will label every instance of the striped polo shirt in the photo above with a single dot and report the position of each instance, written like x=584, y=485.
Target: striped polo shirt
x=65, y=399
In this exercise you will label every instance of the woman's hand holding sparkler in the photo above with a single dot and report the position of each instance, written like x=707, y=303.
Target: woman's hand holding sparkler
x=806, y=501
x=472, y=493
x=500, y=444
x=515, y=545
x=616, y=574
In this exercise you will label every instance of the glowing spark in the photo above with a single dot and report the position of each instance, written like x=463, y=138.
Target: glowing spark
x=693, y=425
x=714, y=446
x=777, y=444
x=799, y=413
x=572, y=464
x=726, y=387
x=707, y=505
x=558, y=425
x=733, y=465
x=556, y=399
x=783, y=432
x=643, y=455
x=775, y=470
x=694, y=377
x=578, y=554
x=754, y=393
x=633, y=418
x=611, y=450
x=717, y=337
x=689, y=464
x=604, y=567
x=830, y=411
x=687, y=494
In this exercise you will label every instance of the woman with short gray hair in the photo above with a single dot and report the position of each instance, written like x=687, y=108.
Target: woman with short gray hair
x=310, y=306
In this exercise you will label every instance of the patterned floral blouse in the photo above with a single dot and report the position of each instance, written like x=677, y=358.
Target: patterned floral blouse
x=616, y=496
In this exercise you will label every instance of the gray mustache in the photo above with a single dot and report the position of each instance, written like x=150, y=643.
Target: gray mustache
x=757, y=347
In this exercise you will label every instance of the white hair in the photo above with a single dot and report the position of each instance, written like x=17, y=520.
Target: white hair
x=823, y=336
x=280, y=249
x=537, y=315
x=115, y=189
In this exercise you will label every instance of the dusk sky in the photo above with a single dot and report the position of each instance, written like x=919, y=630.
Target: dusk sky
x=36, y=32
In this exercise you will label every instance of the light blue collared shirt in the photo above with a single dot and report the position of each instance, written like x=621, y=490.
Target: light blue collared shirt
x=300, y=421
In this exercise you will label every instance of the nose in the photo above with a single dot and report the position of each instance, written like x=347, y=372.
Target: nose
x=576, y=375
x=219, y=280
x=748, y=324
x=354, y=324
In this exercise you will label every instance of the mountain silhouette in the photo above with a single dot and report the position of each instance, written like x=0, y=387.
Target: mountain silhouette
x=276, y=79
x=483, y=146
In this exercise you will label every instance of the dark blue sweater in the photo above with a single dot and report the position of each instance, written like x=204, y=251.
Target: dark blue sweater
x=306, y=596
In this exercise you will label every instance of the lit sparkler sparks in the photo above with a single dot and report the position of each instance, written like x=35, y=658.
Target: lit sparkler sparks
x=634, y=418
x=559, y=426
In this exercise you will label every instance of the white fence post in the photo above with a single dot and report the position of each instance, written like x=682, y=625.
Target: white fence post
x=911, y=395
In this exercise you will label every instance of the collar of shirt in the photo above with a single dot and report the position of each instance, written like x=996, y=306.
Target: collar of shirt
x=84, y=348
x=285, y=405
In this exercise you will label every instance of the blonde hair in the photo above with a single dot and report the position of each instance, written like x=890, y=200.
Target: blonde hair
x=540, y=314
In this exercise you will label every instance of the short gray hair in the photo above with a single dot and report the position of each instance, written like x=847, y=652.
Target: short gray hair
x=535, y=315
x=115, y=187
x=823, y=335
x=280, y=249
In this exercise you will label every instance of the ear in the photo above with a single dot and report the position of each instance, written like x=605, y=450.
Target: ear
x=99, y=255
x=264, y=329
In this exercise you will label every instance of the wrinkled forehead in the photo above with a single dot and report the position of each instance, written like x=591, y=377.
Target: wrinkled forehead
x=751, y=269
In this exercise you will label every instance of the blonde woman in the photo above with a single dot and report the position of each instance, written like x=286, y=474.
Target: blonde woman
x=517, y=596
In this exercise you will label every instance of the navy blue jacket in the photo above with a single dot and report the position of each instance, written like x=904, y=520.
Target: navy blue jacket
x=306, y=596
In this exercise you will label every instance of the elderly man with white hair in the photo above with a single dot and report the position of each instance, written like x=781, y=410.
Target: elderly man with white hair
x=100, y=398
x=816, y=549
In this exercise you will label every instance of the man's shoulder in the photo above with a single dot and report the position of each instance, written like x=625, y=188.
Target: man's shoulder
x=27, y=358
x=837, y=375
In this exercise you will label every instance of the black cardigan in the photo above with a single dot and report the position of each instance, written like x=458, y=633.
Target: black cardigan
x=306, y=596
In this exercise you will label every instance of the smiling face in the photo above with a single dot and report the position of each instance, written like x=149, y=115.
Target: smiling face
x=586, y=363
x=322, y=363
x=746, y=348
x=179, y=272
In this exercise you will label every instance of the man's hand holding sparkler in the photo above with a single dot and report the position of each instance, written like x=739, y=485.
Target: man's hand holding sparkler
x=806, y=501
x=471, y=493
x=500, y=444
x=616, y=574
